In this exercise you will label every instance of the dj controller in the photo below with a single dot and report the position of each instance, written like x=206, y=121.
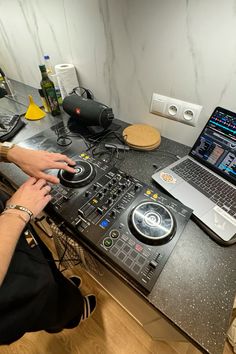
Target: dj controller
x=124, y=220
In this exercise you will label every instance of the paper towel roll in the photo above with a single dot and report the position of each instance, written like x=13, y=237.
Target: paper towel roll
x=67, y=78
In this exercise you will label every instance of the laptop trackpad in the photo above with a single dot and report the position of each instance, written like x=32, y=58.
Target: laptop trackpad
x=220, y=222
x=192, y=198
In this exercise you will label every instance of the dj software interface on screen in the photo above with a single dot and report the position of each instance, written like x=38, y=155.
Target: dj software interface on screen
x=217, y=143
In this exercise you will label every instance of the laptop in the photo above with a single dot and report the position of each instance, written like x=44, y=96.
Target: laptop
x=205, y=179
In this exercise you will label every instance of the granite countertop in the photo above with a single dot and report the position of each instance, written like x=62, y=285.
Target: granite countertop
x=197, y=286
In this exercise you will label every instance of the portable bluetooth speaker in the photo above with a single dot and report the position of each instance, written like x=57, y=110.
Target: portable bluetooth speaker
x=87, y=111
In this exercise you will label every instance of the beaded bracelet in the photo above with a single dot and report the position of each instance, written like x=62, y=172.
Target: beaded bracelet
x=14, y=214
x=20, y=207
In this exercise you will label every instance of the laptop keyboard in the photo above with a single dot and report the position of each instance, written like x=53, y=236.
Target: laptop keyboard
x=205, y=182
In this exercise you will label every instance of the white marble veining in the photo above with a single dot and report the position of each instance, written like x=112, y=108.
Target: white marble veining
x=125, y=50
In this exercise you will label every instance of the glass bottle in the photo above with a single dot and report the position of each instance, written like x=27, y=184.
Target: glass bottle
x=49, y=91
x=48, y=64
x=52, y=76
x=44, y=101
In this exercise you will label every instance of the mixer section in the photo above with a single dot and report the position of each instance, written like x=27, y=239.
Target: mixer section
x=97, y=208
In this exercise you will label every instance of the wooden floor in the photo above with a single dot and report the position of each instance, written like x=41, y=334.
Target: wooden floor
x=110, y=330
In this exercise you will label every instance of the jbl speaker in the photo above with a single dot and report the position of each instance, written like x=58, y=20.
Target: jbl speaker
x=87, y=111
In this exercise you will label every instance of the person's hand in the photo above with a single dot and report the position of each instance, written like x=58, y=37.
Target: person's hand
x=35, y=162
x=33, y=195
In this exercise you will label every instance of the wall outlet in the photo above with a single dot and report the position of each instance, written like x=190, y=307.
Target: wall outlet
x=175, y=109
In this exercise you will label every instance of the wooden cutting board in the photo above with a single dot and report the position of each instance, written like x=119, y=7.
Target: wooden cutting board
x=142, y=137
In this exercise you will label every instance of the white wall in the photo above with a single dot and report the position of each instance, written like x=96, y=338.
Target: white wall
x=126, y=49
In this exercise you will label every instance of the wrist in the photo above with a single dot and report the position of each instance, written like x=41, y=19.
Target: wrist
x=15, y=207
x=14, y=153
x=17, y=215
x=5, y=148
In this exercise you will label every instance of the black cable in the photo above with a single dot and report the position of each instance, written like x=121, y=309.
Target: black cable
x=63, y=134
x=61, y=259
x=78, y=135
x=62, y=140
x=94, y=142
x=100, y=140
x=118, y=152
x=89, y=94
x=64, y=252
x=103, y=137
x=177, y=157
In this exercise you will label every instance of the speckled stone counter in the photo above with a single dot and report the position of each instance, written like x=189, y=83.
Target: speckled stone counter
x=18, y=103
x=197, y=286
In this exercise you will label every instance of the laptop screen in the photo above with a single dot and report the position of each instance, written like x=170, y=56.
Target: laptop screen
x=216, y=145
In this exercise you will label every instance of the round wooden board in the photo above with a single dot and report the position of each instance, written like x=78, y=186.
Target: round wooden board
x=145, y=148
x=142, y=136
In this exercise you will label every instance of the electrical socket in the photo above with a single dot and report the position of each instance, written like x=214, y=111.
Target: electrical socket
x=172, y=108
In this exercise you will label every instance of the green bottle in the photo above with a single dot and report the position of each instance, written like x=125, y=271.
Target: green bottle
x=49, y=91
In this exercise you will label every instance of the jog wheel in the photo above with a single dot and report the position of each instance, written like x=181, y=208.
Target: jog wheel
x=152, y=223
x=84, y=174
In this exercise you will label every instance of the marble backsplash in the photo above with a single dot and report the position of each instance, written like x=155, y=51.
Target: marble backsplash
x=124, y=50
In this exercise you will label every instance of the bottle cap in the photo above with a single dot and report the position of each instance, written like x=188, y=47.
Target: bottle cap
x=46, y=57
x=42, y=68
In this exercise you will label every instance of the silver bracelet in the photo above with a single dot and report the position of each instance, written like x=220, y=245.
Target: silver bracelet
x=20, y=207
x=15, y=215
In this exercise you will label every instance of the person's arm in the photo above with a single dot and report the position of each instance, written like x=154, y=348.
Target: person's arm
x=11, y=227
x=32, y=195
x=35, y=162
